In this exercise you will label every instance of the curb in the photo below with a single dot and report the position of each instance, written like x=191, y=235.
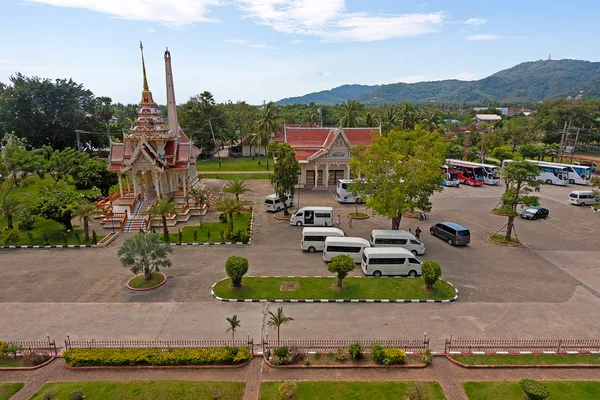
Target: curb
x=503, y=244
x=28, y=368
x=220, y=243
x=134, y=367
x=496, y=213
x=521, y=366
x=108, y=239
x=359, y=218
x=342, y=366
x=280, y=218
x=146, y=289
x=212, y=292
x=52, y=246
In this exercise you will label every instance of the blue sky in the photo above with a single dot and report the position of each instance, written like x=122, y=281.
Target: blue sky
x=262, y=50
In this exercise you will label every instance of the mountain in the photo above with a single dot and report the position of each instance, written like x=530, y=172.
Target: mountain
x=526, y=82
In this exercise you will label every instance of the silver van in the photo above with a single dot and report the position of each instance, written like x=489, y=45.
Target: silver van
x=583, y=198
x=390, y=261
x=313, y=216
x=313, y=239
x=391, y=238
x=273, y=203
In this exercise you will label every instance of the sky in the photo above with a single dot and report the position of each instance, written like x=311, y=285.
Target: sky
x=266, y=50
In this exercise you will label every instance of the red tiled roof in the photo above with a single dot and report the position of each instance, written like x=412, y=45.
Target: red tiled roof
x=358, y=136
x=329, y=139
x=128, y=150
x=183, y=152
x=304, y=154
x=116, y=152
x=170, y=149
x=306, y=137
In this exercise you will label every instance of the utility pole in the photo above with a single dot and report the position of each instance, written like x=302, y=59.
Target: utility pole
x=215, y=142
x=78, y=141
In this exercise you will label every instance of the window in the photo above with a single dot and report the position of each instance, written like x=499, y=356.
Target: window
x=391, y=241
x=573, y=195
x=343, y=249
x=413, y=261
x=344, y=186
x=268, y=201
x=299, y=214
x=464, y=233
x=364, y=258
x=449, y=230
x=394, y=261
x=322, y=215
x=314, y=238
x=416, y=242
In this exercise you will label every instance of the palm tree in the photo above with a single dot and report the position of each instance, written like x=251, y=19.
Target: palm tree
x=234, y=323
x=85, y=212
x=350, y=111
x=276, y=320
x=256, y=140
x=407, y=117
x=369, y=120
x=389, y=119
x=229, y=206
x=237, y=187
x=199, y=198
x=267, y=126
x=164, y=208
x=145, y=253
x=9, y=206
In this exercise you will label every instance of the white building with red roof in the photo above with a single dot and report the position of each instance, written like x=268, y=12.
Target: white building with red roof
x=324, y=153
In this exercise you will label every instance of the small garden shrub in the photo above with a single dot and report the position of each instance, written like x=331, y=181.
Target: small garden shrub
x=287, y=390
x=223, y=218
x=208, y=234
x=27, y=221
x=297, y=354
x=94, y=237
x=222, y=235
x=10, y=236
x=340, y=355
x=48, y=395
x=195, y=236
x=7, y=348
x=387, y=355
x=236, y=267
x=431, y=272
x=355, y=350
x=415, y=392
x=116, y=357
x=46, y=239
x=317, y=356
x=76, y=395
x=33, y=359
x=533, y=389
x=426, y=357
x=281, y=356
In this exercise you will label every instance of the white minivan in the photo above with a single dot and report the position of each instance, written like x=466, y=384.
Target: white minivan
x=273, y=203
x=583, y=198
x=390, y=261
x=350, y=246
x=391, y=238
x=313, y=216
x=313, y=239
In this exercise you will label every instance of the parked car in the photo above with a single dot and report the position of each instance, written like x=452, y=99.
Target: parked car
x=535, y=213
x=451, y=232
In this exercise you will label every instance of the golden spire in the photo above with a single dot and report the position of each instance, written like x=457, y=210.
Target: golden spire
x=146, y=94
x=144, y=67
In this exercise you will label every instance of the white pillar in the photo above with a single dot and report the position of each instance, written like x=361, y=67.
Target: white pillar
x=120, y=185
x=184, y=187
x=347, y=171
x=127, y=181
x=316, y=174
x=157, y=185
x=135, y=187
x=326, y=177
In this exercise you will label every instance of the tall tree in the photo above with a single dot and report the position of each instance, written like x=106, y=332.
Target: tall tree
x=18, y=162
x=267, y=125
x=94, y=173
x=237, y=187
x=278, y=319
x=105, y=112
x=407, y=117
x=369, y=120
x=85, y=211
x=350, y=114
x=230, y=207
x=389, y=119
x=285, y=172
x=234, y=323
x=56, y=202
x=404, y=167
x=163, y=209
x=145, y=253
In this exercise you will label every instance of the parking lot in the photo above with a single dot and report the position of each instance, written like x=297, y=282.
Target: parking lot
x=551, y=280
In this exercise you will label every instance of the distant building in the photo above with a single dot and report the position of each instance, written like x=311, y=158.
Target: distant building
x=503, y=110
x=486, y=118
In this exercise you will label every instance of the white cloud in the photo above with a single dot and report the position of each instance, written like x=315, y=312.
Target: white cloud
x=475, y=21
x=174, y=13
x=572, y=58
x=326, y=19
x=249, y=44
x=323, y=73
x=465, y=76
x=149, y=30
x=296, y=41
x=483, y=37
x=411, y=79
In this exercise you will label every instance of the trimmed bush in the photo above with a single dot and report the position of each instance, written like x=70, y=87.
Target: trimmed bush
x=48, y=395
x=340, y=355
x=426, y=357
x=117, y=357
x=76, y=395
x=431, y=271
x=387, y=355
x=533, y=389
x=236, y=267
x=355, y=350
x=415, y=392
x=287, y=390
x=281, y=356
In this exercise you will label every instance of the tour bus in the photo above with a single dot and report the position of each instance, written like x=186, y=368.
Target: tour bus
x=391, y=238
x=583, y=198
x=343, y=195
x=451, y=179
x=549, y=174
x=578, y=174
x=468, y=173
x=313, y=216
x=490, y=172
x=390, y=261
x=273, y=203
x=350, y=246
x=313, y=239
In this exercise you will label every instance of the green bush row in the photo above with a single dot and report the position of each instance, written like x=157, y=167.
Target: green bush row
x=110, y=357
x=387, y=355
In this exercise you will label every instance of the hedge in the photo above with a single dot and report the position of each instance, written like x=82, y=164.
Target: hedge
x=116, y=357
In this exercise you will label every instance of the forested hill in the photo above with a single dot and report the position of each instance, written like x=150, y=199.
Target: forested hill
x=526, y=82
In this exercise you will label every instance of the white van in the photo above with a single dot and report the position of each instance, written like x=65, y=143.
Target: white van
x=583, y=198
x=390, y=261
x=404, y=239
x=313, y=239
x=273, y=203
x=313, y=216
x=350, y=246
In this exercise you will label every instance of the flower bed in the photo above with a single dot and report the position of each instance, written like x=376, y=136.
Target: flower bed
x=140, y=284
x=156, y=357
x=499, y=240
x=27, y=361
x=359, y=215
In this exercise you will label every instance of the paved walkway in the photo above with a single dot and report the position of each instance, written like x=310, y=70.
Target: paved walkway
x=443, y=371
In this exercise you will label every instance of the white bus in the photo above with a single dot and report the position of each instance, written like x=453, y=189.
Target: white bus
x=350, y=246
x=490, y=176
x=313, y=216
x=549, y=174
x=578, y=174
x=342, y=193
x=390, y=261
x=313, y=239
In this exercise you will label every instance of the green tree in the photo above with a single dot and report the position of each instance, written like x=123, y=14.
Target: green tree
x=9, y=206
x=145, y=253
x=405, y=169
x=529, y=150
x=431, y=272
x=199, y=198
x=163, y=209
x=407, y=117
x=105, y=112
x=389, y=119
x=230, y=207
x=267, y=125
x=234, y=323
x=341, y=265
x=454, y=151
x=56, y=202
x=502, y=153
x=285, y=172
x=520, y=178
x=369, y=120
x=85, y=211
x=349, y=111
x=18, y=162
x=65, y=163
x=237, y=187
x=517, y=132
x=94, y=173
x=278, y=319
x=235, y=268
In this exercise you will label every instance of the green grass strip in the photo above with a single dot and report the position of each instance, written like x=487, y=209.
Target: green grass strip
x=240, y=222
x=233, y=164
x=8, y=390
x=229, y=177
x=559, y=390
x=528, y=359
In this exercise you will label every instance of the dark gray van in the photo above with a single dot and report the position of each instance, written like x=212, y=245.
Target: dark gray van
x=453, y=233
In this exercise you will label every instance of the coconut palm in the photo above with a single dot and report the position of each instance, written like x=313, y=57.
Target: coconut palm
x=234, y=323
x=407, y=117
x=229, y=206
x=369, y=120
x=349, y=111
x=164, y=208
x=389, y=119
x=85, y=212
x=267, y=125
x=145, y=253
x=237, y=187
x=199, y=198
x=276, y=320
x=9, y=206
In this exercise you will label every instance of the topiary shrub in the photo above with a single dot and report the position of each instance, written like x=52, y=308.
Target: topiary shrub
x=195, y=236
x=76, y=395
x=287, y=390
x=223, y=218
x=431, y=271
x=222, y=235
x=533, y=389
x=426, y=357
x=355, y=350
x=377, y=353
x=236, y=267
x=94, y=238
x=388, y=355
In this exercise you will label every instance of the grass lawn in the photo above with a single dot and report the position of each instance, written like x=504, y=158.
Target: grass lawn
x=147, y=390
x=233, y=164
x=559, y=390
x=528, y=359
x=240, y=222
x=230, y=177
x=359, y=215
x=351, y=390
x=321, y=288
x=140, y=283
x=500, y=239
x=7, y=390
x=588, y=153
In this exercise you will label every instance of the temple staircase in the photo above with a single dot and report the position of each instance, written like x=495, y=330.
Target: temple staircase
x=138, y=217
